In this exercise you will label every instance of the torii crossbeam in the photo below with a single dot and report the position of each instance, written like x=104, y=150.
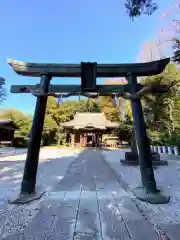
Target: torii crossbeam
x=88, y=72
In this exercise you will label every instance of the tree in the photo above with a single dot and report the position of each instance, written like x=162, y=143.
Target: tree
x=92, y=105
x=23, y=123
x=49, y=130
x=124, y=131
x=168, y=38
x=58, y=113
x=128, y=118
x=138, y=7
x=161, y=110
x=176, y=47
x=22, y=120
x=169, y=34
x=108, y=106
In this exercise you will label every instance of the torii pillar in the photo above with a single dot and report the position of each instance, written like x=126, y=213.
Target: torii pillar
x=148, y=192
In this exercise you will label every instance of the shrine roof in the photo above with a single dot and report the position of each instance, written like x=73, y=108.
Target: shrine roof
x=90, y=120
x=7, y=123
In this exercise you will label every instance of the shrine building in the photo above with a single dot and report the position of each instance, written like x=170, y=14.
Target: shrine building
x=88, y=129
x=7, y=130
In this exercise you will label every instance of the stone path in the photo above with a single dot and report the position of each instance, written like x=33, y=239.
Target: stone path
x=166, y=217
x=10, y=151
x=89, y=202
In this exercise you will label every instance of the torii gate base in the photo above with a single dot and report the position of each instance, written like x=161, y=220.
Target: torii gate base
x=88, y=73
x=131, y=158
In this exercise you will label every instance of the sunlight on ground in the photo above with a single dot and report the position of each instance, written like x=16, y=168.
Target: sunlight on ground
x=59, y=177
x=17, y=157
x=110, y=205
x=5, y=169
x=5, y=178
x=46, y=153
x=121, y=209
x=17, y=181
x=18, y=175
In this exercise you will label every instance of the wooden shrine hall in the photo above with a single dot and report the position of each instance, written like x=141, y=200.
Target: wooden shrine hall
x=87, y=129
x=7, y=129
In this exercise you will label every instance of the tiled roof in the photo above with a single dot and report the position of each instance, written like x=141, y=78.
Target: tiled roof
x=90, y=120
x=7, y=122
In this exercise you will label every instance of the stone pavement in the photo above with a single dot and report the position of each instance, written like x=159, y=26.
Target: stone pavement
x=165, y=217
x=11, y=170
x=85, y=199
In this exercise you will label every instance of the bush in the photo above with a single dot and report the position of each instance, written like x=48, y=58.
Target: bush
x=20, y=141
x=162, y=138
x=124, y=132
x=173, y=141
x=61, y=138
x=156, y=138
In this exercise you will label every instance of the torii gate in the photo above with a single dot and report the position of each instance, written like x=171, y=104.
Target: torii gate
x=88, y=73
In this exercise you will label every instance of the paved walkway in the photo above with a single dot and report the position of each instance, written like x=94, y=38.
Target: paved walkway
x=165, y=217
x=88, y=202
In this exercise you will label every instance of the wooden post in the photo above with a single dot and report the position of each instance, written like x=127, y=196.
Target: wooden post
x=86, y=139
x=28, y=192
x=72, y=139
x=81, y=140
x=148, y=192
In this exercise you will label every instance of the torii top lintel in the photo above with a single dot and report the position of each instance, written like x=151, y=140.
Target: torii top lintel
x=103, y=70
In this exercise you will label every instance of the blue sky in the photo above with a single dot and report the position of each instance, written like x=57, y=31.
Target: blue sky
x=68, y=31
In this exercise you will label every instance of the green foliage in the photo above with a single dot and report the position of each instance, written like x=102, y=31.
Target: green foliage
x=156, y=138
x=56, y=114
x=127, y=112
x=67, y=109
x=108, y=106
x=162, y=138
x=173, y=141
x=162, y=110
x=49, y=130
x=23, y=123
x=124, y=131
x=20, y=141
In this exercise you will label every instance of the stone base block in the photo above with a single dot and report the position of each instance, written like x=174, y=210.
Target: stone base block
x=26, y=198
x=153, y=198
x=131, y=159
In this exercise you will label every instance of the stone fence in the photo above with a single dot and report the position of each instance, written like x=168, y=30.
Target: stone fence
x=170, y=150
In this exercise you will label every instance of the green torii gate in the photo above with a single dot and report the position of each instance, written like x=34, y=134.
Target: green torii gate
x=88, y=72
